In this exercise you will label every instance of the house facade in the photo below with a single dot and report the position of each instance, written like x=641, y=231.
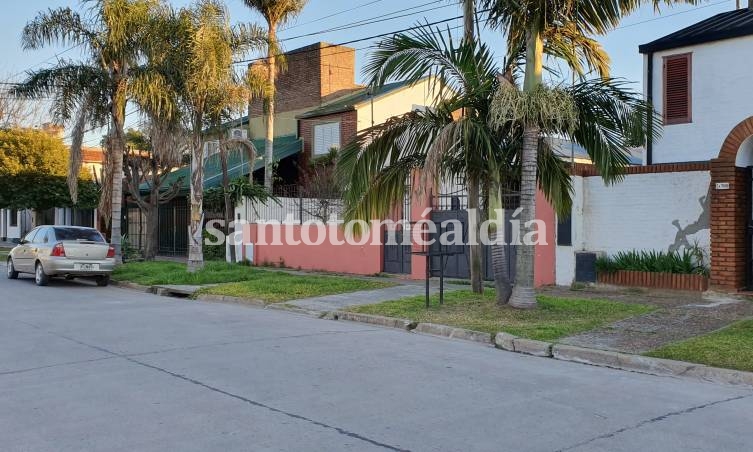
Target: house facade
x=15, y=223
x=694, y=187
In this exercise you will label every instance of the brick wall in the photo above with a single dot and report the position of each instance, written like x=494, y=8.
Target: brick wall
x=314, y=73
x=729, y=223
x=348, y=126
x=588, y=170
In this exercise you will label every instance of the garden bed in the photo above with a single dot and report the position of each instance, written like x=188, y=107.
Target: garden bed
x=671, y=281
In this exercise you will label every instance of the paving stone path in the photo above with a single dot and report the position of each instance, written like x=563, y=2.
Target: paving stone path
x=680, y=316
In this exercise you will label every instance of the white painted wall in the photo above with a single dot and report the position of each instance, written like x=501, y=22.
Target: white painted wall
x=395, y=103
x=636, y=214
x=721, y=98
x=565, y=255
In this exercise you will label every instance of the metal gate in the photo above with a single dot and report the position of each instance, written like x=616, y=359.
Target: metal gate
x=172, y=228
x=458, y=265
x=397, y=256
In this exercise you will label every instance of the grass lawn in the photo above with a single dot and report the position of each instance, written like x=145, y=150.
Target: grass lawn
x=152, y=273
x=4, y=254
x=731, y=348
x=275, y=287
x=555, y=318
x=247, y=282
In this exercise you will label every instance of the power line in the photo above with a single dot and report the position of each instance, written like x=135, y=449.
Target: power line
x=333, y=15
x=671, y=15
x=373, y=20
x=56, y=56
x=353, y=41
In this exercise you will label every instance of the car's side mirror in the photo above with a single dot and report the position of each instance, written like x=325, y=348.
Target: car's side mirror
x=23, y=242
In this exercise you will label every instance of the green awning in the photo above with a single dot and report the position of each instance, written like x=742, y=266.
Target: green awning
x=238, y=166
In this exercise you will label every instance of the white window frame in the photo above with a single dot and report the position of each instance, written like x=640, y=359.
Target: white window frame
x=332, y=140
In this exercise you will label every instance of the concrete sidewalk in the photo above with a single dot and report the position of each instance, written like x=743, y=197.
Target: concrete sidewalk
x=343, y=301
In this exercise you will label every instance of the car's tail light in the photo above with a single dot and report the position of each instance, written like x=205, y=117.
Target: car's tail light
x=111, y=252
x=58, y=250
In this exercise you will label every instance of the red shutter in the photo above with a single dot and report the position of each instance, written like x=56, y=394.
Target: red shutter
x=677, y=89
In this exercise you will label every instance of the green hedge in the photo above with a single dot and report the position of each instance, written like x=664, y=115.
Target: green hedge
x=686, y=262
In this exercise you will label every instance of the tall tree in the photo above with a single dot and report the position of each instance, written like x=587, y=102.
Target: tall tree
x=206, y=84
x=33, y=168
x=94, y=91
x=374, y=167
x=568, y=27
x=275, y=13
x=472, y=180
x=150, y=158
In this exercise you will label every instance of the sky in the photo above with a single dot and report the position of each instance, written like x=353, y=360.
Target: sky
x=321, y=18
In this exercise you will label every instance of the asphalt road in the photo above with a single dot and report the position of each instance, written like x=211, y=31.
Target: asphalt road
x=87, y=368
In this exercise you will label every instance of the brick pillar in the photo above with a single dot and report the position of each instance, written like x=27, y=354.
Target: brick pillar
x=729, y=222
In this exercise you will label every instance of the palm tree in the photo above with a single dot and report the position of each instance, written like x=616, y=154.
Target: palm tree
x=94, y=91
x=476, y=251
x=568, y=27
x=204, y=46
x=374, y=167
x=276, y=13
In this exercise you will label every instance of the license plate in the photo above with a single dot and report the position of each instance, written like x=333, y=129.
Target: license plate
x=86, y=267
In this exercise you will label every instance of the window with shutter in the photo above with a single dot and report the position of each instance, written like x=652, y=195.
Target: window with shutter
x=677, y=89
x=326, y=137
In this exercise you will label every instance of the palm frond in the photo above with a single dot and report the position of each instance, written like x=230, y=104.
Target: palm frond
x=612, y=120
x=554, y=180
x=69, y=84
x=56, y=26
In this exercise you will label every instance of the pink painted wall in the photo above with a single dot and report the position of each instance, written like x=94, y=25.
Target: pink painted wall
x=420, y=201
x=354, y=259
x=544, y=273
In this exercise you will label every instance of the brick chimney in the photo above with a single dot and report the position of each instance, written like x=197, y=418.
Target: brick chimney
x=314, y=73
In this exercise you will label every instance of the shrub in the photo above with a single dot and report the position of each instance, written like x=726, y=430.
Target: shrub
x=213, y=252
x=689, y=261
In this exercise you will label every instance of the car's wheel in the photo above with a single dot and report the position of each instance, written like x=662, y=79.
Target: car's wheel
x=103, y=281
x=40, y=277
x=12, y=273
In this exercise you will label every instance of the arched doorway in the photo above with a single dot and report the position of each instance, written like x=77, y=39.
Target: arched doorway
x=731, y=212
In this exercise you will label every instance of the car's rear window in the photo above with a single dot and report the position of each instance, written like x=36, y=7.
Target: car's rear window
x=88, y=235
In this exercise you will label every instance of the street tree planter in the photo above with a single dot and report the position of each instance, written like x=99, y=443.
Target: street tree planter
x=699, y=283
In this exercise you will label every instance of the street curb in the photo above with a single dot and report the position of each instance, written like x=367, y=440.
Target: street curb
x=624, y=361
x=296, y=310
x=434, y=329
x=229, y=299
x=532, y=347
x=388, y=322
x=133, y=286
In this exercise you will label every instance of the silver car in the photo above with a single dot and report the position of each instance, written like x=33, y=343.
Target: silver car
x=67, y=251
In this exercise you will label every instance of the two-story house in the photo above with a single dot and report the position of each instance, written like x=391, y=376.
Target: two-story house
x=694, y=187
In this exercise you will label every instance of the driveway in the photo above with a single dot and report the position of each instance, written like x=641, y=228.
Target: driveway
x=88, y=368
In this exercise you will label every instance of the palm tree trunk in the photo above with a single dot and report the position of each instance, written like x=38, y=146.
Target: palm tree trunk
x=195, y=249
x=500, y=263
x=469, y=20
x=118, y=152
x=476, y=251
x=269, y=113
x=229, y=208
x=523, y=295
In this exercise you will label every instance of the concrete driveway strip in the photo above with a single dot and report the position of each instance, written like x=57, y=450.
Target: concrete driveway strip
x=86, y=368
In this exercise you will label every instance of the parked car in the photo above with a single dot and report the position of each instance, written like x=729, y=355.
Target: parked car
x=62, y=251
